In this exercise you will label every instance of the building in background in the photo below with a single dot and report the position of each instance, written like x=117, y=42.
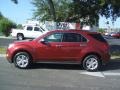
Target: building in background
x=50, y=25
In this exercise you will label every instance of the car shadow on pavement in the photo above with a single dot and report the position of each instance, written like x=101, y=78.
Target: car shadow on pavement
x=115, y=49
x=57, y=66
x=114, y=64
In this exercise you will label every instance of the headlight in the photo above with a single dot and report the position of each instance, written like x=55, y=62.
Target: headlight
x=11, y=45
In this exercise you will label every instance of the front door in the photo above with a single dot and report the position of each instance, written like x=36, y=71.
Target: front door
x=50, y=48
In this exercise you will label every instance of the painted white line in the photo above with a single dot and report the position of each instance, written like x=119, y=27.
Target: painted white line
x=100, y=74
x=111, y=74
x=97, y=74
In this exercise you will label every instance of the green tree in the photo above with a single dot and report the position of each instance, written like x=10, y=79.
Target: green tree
x=102, y=31
x=1, y=16
x=94, y=8
x=52, y=9
x=45, y=11
x=15, y=1
x=85, y=11
x=19, y=26
x=6, y=25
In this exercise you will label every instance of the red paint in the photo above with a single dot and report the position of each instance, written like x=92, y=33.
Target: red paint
x=61, y=51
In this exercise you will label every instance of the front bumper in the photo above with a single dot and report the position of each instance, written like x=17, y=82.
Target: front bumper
x=8, y=56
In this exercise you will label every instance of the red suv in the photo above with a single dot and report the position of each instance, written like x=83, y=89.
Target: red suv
x=116, y=34
x=61, y=46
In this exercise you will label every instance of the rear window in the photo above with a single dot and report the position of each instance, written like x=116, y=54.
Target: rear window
x=98, y=37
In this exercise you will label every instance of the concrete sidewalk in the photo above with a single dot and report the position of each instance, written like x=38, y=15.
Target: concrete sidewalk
x=115, y=57
x=2, y=55
x=9, y=37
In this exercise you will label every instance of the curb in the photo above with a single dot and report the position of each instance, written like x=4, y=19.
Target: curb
x=114, y=57
x=2, y=55
x=9, y=37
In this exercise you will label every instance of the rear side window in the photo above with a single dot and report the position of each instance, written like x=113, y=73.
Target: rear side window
x=37, y=29
x=98, y=37
x=73, y=37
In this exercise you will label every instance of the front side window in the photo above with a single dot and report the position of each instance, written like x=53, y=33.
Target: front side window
x=73, y=37
x=29, y=28
x=56, y=37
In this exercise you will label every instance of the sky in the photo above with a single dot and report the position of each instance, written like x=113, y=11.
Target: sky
x=21, y=12
x=18, y=13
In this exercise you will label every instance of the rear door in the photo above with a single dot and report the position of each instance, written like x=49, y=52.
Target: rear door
x=71, y=45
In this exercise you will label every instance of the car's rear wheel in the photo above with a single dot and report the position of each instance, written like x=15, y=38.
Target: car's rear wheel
x=91, y=63
x=22, y=60
x=20, y=37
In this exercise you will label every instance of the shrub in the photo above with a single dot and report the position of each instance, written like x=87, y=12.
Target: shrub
x=102, y=31
x=19, y=26
x=6, y=25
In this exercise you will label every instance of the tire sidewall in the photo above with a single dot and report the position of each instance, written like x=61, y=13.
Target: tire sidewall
x=20, y=35
x=22, y=53
x=91, y=56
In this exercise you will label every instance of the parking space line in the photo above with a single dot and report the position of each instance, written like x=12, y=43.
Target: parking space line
x=111, y=74
x=97, y=74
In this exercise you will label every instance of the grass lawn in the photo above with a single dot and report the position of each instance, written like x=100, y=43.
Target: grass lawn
x=2, y=50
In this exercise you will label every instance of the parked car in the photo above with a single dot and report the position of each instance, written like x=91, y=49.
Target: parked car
x=89, y=49
x=27, y=32
x=116, y=34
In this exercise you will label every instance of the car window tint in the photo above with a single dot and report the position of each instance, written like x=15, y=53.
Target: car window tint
x=98, y=37
x=29, y=28
x=56, y=37
x=73, y=37
x=37, y=29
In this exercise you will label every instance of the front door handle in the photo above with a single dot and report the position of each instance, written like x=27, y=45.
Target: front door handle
x=59, y=45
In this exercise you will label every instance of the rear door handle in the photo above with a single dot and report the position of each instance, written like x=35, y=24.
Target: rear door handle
x=82, y=44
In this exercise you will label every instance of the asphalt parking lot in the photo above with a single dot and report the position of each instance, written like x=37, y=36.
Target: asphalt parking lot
x=59, y=76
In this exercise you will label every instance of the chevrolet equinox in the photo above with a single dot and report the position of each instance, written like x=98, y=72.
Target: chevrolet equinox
x=89, y=49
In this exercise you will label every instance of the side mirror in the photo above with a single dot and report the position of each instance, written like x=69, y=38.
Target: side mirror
x=44, y=42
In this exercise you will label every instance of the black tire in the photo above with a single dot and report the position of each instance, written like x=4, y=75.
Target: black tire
x=91, y=63
x=22, y=60
x=20, y=37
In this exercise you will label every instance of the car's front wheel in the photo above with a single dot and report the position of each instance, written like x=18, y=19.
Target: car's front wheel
x=22, y=60
x=91, y=63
